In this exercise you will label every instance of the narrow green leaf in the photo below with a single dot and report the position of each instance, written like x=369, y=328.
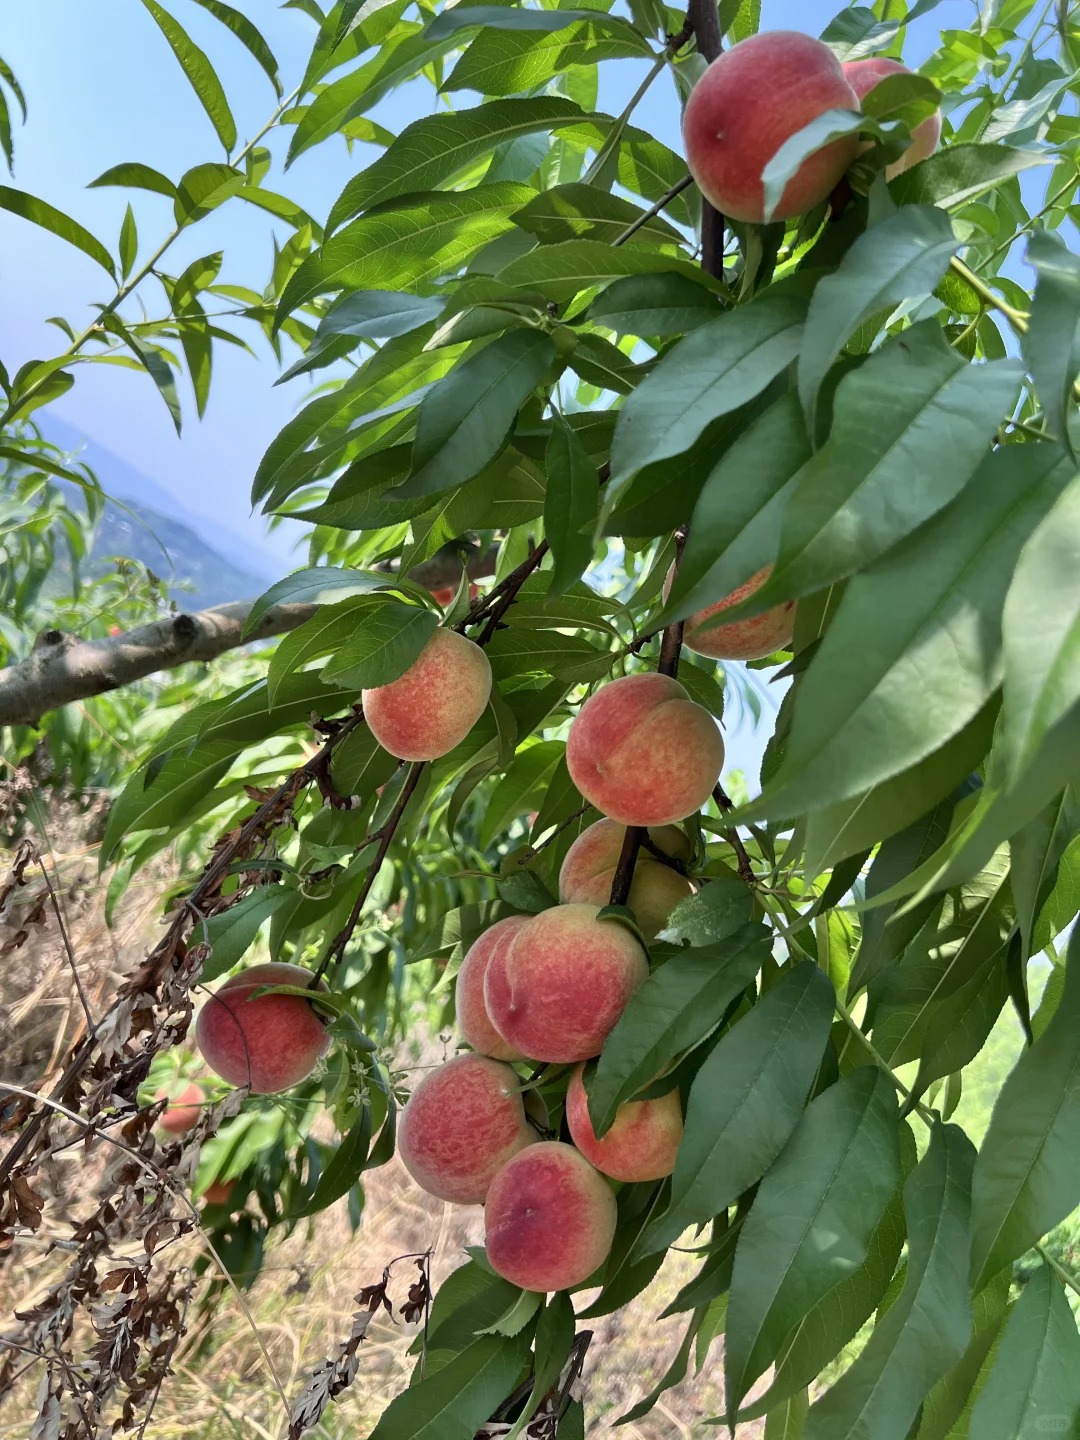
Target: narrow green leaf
x=1035, y=853
x=40, y=212
x=959, y=173
x=503, y=17
x=561, y=270
x=204, y=188
x=200, y=74
x=325, y=632
x=830, y=125
x=249, y=36
x=746, y=1100
x=317, y=585
x=382, y=647
x=582, y=212
x=499, y=62
x=656, y=305
x=129, y=242
x=571, y=505
x=454, y=1401
x=1052, y=341
x=231, y=933
x=716, y=912
x=134, y=175
x=347, y=1164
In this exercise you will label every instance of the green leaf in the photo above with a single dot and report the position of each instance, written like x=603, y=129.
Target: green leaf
x=927, y=1328
x=347, y=1164
x=715, y=913
x=653, y=305
x=1035, y=854
x=200, y=74
x=431, y=150
x=1027, y=1176
x=787, y=1420
x=380, y=649
x=134, y=175
x=1034, y=1384
x=830, y=125
x=231, y=933
x=675, y=1372
x=325, y=632
x=959, y=173
x=746, y=1100
x=251, y=39
x=180, y=783
x=554, y=1341
x=454, y=1401
x=516, y=1317
x=466, y=420
x=360, y=764
x=812, y=1221
x=501, y=62
x=406, y=248
x=925, y=621
x=504, y=17
x=1041, y=629
x=317, y=585
x=129, y=242
x=204, y=188
x=577, y=211
x=717, y=368
x=905, y=255
x=677, y=1007
x=571, y=504
x=949, y=1403
x=154, y=363
x=1052, y=341
x=563, y=269
x=40, y=212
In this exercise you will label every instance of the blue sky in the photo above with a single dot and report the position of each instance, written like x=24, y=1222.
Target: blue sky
x=103, y=88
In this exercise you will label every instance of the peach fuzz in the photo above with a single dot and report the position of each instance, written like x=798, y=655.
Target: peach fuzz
x=643, y=1141
x=863, y=76
x=463, y=1121
x=549, y=1220
x=643, y=752
x=473, y=1019
x=269, y=1042
x=182, y=1110
x=590, y=864
x=556, y=991
x=747, y=104
x=424, y=713
x=750, y=639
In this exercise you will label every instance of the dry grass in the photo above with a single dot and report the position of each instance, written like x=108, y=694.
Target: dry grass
x=304, y=1297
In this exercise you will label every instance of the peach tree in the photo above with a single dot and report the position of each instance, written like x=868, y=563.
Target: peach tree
x=807, y=407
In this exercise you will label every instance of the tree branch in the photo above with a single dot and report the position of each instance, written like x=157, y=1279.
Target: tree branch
x=703, y=16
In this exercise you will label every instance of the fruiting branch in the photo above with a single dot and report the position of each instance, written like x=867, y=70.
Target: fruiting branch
x=703, y=16
x=725, y=803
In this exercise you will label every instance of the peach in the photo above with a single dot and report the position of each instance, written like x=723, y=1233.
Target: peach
x=474, y=1022
x=269, y=1042
x=556, y=990
x=751, y=100
x=433, y=706
x=462, y=1123
x=444, y=595
x=863, y=76
x=641, y=1144
x=643, y=752
x=590, y=864
x=182, y=1111
x=750, y=639
x=218, y=1192
x=549, y=1220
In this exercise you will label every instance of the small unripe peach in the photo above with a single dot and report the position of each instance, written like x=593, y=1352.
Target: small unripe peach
x=589, y=868
x=863, y=76
x=462, y=1122
x=549, y=1220
x=218, y=1192
x=433, y=706
x=643, y=752
x=750, y=639
x=473, y=1019
x=751, y=100
x=183, y=1109
x=267, y=1042
x=557, y=989
x=641, y=1144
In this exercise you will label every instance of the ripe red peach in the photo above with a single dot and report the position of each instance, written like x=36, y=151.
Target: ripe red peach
x=182, y=1111
x=267, y=1042
x=444, y=595
x=589, y=869
x=463, y=1121
x=751, y=100
x=218, y=1192
x=433, y=706
x=473, y=1019
x=556, y=990
x=863, y=76
x=750, y=639
x=549, y=1219
x=643, y=752
x=641, y=1144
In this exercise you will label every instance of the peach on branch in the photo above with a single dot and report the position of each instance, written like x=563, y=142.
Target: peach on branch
x=462, y=1122
x=748, y=103
x=424, y=713
x=590, y=864
x=218, y=1192
x=641, y=1144
x=863, y=76
x=643, y=752
x=556, y=990
x=267, y=1042
x=474, y=1022
x=549, y=1219
x=182, y=1110
x=750, y=639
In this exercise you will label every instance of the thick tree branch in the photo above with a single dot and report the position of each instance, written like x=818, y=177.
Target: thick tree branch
x=62, y=669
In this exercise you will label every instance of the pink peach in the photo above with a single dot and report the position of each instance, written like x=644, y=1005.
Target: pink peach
x=463, y=1121
x=556, y=990
x=432, y=707
x=267, y=1042
x=549, y=1220
x=641, y=1144
x=751, y=100
x=863, y=76
x=589, y=868
x=750, y=639
x=182, y=1111
x=473, y=1019
x=643, y=752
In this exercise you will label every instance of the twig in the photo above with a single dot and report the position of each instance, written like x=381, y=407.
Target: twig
x=512, y=584
x=68, y=951
x=536, y=849
x=653, y=211
x=703, y=16
x=724, y=804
